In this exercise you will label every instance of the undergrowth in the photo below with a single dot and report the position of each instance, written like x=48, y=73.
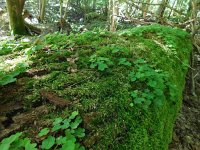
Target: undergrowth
x=62, y=135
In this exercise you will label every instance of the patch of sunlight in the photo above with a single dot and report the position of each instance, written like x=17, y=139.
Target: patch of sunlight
x=10, y=64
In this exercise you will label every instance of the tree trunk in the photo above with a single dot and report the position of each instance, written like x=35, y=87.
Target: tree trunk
x=42, y=6
x=105, y=10
x=65, y=13
x=94, y=5
x=145, y=8
x=61, y=9
x=15, y=9
x=189, y=10
x=161, y=10
x=113, y=21
x=173, y=5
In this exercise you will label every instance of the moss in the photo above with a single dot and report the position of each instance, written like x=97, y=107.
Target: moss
x=107, y=93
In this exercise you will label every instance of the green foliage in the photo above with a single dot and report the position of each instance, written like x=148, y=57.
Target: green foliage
x=43, y=132
x=104, y=98
x=10, y=68
x=101, y=63
x=6, y=78
x=33, y=49
x=56, y=41
x=5, y=48
x=15, y=142
x=154, y=81
x=63, y=135
x=48, y=142
x=123, y=61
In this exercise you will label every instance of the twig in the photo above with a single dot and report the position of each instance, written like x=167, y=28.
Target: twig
x=70, y=86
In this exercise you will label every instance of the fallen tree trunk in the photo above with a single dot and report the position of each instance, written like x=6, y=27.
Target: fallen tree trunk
x=128, y=85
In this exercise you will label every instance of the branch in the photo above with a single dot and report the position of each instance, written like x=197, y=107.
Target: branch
x=168, y=6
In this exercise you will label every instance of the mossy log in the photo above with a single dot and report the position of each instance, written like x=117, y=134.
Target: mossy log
x=16, y=20
x=101, y=88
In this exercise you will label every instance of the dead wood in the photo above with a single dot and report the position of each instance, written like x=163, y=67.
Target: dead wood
x=11, y=130
x=8, y=107
x=30, y=116
x=54, y=98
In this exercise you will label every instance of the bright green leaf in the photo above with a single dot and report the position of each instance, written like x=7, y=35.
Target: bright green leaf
x=61, y=140
x=73, y=115
x=56, y=127
x=48, y=143
x=80, y=132
x=57, y=121
x=102, y=66
x=43, y=132
x=76, y=123
x=66, y=123
x=69, y=145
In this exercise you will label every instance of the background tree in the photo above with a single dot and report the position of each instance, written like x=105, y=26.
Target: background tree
x=42, y=6
x=15, y=9
x=161, y=10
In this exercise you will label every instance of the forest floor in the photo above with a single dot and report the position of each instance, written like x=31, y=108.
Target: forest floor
x=186, y=135
x=187, y=127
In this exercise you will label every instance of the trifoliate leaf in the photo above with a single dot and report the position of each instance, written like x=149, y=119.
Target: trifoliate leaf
x=69, y=145
x=73, y=115
x=66, y=123
x=123, y=61
x=28, y=145
x=152, y=83
x=57, y=121
x=93, y=65
x=76, y=123
x=56, y=127
x=70, y=136
x=48, y=143
x=43, y=132
x=134, y=94
x=7, y=79
x=61, y=140
x=4, y=146
x=79, y=147
x=80, y=132
x=102, y=66
x=12, y=138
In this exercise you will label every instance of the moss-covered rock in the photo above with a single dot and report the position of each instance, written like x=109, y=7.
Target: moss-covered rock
x=127, y=85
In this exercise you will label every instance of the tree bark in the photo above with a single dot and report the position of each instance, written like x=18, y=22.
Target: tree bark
x=173, y=5
x=42, y=6
x=105, y=11
x=94, y=5
x=15, y=9
x=145, y=8
x=161, y=10
x=114, y=14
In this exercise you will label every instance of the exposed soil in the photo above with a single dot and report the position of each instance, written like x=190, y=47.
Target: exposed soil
x=186, y=135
